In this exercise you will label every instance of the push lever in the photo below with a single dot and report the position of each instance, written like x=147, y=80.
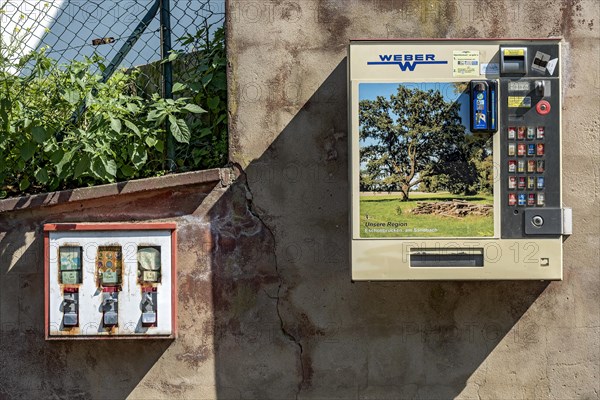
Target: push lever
x=70, y=310
x=148, y=310
x=111, y=317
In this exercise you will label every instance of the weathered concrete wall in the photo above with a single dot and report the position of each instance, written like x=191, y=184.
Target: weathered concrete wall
x=404, y=340
x=267, y=309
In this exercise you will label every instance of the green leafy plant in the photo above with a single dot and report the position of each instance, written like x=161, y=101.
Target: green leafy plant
x=205, y=82
x=62, y=127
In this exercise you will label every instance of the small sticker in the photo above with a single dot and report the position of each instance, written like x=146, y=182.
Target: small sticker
x=530, y=133
x=109, y=277
x=531, y=149
x=511, y=149
x=540, y=149
x=531, y=199
x=540, y=182
x=489, y=69
x=531, y=166
x=70, y=277
x=519, y=86
x=540, y=61
x=541, y=199
x=512, y=199
x=521, y=182
x=521, y=133
x=512, y=182
x=521, y=167
x=531, y=182
x=512, y=166
x=541, y=164
x=150, y=276
x=512, y=131
x=465, y=63
x=552, y=65
x=540, y=132
x=514, y=52
x=522, y=199
x=521, y=149
x=519, y=102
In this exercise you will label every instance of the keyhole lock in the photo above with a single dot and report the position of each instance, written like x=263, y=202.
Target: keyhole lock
x=537, y=221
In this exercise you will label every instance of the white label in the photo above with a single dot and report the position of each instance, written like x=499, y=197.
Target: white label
x=489, y=69
x=551, y=65
x=519, y=86
x=465, y=63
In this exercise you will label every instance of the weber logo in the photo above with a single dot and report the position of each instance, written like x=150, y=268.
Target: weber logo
x=406, y=62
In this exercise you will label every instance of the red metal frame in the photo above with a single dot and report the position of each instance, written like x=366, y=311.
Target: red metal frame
x=118, y=226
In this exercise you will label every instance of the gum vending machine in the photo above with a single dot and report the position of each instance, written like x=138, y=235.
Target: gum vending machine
x=110, y=281
x=455, y=159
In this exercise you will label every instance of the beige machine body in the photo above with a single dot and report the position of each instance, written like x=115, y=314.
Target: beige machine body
x=492, y=211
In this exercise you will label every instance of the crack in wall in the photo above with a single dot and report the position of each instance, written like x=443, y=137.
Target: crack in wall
x=249, y=201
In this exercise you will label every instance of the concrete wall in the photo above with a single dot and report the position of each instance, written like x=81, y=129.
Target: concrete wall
x=267, y=309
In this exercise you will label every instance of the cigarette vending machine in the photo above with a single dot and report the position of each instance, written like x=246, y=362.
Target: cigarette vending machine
x=455, y=160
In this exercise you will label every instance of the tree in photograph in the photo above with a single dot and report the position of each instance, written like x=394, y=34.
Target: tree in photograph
x=411, y=137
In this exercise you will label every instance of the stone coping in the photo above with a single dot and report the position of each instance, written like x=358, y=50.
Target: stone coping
x=115, y=189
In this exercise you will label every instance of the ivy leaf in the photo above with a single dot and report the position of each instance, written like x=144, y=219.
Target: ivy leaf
x=179, y=130
x=127, y=171
x=57, y=156
x=24, y=184
x=139, y=157
x=153, y=115
x=98, y=169
x=39, y=134
x=41, y=175
x=64, y=161
x=178, y=87
x=133, y=108
x=194, y=108
x=172, y=56
x=213, y=102
x=72, y=96
x=115, y=124
x=220, y=81
x=206, y=79
x=131, y=126
x=110, y=166
x=83, y=166
x=205, y=132
x=150, y=141
x=28, y=150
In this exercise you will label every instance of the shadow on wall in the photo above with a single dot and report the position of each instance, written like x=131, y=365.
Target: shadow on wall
x=287, y=317
x=31, y=367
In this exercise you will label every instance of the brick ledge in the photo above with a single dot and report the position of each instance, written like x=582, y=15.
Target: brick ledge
x=115, y=189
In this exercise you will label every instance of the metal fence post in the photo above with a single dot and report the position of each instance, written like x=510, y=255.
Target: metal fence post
x=167, y=72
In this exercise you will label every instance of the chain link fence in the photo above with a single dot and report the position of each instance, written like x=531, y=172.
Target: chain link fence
x=167, y=49
x=75, y=29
